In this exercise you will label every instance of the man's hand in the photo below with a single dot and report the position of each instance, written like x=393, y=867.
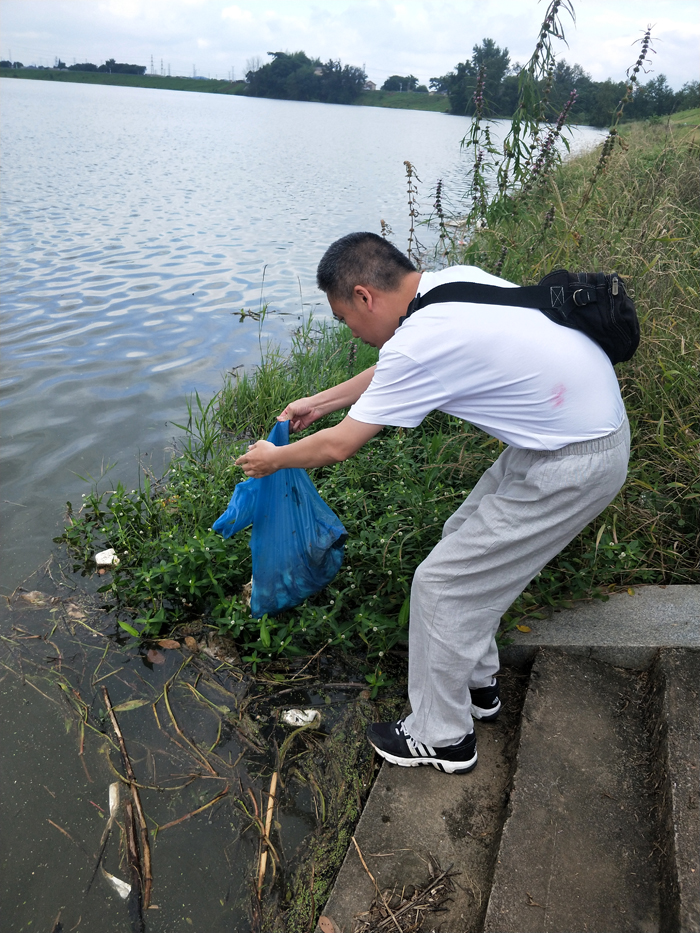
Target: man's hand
x=259, y=459
x=300, y=414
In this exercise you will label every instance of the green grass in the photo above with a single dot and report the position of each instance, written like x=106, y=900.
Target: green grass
x=208, y=86
x=641, y=217
x=404, y=100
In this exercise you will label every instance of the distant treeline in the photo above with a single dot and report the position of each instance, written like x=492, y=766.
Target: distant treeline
x=595, y=101
x=295, y=76
x=109, y=67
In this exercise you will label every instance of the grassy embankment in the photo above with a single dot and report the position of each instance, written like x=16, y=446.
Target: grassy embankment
x=396, y=100
x=642, y=218
x=404, y=100
x=207, y=86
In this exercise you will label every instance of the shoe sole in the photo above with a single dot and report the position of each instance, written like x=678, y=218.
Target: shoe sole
x=448, y=767
x=486, y=715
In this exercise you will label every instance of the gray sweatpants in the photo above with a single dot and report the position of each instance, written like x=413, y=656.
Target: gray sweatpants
x=523, y=511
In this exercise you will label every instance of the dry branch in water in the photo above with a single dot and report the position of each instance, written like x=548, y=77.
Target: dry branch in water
x=145, y=842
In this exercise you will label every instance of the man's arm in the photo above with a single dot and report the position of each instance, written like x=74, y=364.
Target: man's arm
x=305, y=411
x=320, y=449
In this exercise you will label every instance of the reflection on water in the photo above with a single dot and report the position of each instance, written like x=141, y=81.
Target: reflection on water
x=135, y=221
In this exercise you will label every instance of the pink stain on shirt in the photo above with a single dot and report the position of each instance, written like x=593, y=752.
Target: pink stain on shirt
x=558, y=397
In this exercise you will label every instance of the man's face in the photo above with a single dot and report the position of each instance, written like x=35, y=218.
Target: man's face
x=372, y=316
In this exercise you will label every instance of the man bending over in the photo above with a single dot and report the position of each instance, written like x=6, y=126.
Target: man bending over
x=548, y=392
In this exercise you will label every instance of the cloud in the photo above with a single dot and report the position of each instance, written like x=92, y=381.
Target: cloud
x=422, y=37
x=237, y=15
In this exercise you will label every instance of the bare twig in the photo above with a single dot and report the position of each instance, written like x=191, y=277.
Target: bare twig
x=266, y=837
x=145, y=842
x=195, y=812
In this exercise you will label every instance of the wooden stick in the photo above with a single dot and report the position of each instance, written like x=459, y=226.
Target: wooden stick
x=364, y=864
x=266, y=837
x=182, y=735
x=194, y=812
x=145, y=842
x=132, y=853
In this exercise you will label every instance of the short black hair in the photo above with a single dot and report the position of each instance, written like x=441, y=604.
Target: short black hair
x=361, y=259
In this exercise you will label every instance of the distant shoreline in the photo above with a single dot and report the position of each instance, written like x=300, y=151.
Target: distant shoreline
x=396, y=100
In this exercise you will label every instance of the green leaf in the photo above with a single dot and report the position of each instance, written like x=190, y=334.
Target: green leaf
x=130, y=629
x=130, y=704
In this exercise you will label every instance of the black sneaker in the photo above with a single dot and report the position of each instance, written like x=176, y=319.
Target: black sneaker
x=486, y=704
x=394, y=743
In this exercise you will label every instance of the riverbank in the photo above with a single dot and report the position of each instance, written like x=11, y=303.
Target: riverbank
x=437, y=103
x=394, y=496
x=392, y=499
x=404, y=100
x=160, y=82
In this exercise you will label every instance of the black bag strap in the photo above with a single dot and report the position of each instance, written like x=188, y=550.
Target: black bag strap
x=542, y=297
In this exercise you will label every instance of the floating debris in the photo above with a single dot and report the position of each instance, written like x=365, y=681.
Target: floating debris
x=121, y=887
x=106, y=558
x=302, y=717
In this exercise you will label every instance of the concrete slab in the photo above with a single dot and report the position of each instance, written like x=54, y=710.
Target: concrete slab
x=575, y=848
x=653, y=617
x=414, y=813
x=677, y=740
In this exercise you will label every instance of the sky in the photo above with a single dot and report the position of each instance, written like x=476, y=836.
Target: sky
x=219, y=38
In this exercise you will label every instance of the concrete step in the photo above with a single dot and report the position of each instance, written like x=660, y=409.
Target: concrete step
x=675, y=709
x=583, y=814
x=577, y=846
x=414, y=815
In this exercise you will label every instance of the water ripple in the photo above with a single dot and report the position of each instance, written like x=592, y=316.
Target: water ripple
x=135, y=222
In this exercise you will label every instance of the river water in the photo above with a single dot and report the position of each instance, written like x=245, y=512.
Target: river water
x=135, y=224
x=135, y=221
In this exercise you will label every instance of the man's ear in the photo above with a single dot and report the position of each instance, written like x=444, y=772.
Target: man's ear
x=364, y=295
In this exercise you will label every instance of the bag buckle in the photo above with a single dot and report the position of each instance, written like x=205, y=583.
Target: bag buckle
x=582, y=297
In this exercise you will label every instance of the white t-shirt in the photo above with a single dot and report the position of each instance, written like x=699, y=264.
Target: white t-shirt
x=512, y=372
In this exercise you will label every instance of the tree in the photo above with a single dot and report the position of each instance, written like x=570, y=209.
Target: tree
x=400, y=83
x=341, y=84
x=295, y=76
x=461, y=84
x=85, y=66
x=121, y=68
x=689, y=96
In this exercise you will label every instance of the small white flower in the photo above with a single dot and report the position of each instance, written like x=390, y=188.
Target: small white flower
x=332, y=601
x=381, y=540
x=389, y=572
x=374, y=628
x=381, y=654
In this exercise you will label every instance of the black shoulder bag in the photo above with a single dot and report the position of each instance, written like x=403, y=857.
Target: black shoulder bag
x=592, y=302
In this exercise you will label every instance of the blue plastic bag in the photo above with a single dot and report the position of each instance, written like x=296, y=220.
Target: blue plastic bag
x=297, y=540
